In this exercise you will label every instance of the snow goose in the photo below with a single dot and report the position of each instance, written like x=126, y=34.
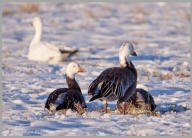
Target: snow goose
x=67, y=98
x=141, y=102
x=117, y=82
x=46, y=52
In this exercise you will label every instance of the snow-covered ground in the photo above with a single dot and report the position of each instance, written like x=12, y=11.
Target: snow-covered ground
x=162, y=34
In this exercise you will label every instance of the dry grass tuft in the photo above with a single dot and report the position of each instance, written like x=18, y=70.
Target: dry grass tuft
x=184, y=133
x=134, y=110
x=30, y=7
x=156, y=73
x=91, y=14
x=29, y=71
x=130, y=109
x=80, y=109
x=7, y=12
x=187, y=16
x=163, y=76
x=169, y=75
x=140, y=10
x=106, y=7
x=96, y=64
x=182, y=74
x=166, y=76
x=44, y=84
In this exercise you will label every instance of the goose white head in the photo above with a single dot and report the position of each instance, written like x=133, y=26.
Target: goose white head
x=36, y=23
x=125, y=50
x=72, y=69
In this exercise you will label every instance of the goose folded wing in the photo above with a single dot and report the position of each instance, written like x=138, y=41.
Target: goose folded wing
x=53, y=96
x=118, y=85
x=47, y=50
x=126, y=80
x=115, y=81
x=96, y=85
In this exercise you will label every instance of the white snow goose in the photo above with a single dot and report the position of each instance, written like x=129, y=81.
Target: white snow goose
x=46, y=52
x=141, y=102
x=67, y=98
x=117, y=82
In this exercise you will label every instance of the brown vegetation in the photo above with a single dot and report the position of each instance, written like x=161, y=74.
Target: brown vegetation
x=29, y=71
x=140, y=10
x=91, y=14
x=29, y=7
x=7, y=11
x=133, y=110
x=80, y=109
x=182, y=74
x=166, y=76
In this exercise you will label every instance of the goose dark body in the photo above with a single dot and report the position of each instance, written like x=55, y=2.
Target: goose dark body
x=111, y=80
x=142, y=100
x=117, y=83
x=66, y=98
x=70, y=96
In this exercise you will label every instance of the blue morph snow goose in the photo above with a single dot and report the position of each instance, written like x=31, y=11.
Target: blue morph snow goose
x=117, y=83
x=44, y=51
x=67, y=98
x=140, y=102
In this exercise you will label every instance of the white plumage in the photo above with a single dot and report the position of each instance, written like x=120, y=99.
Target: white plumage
x=43, y=51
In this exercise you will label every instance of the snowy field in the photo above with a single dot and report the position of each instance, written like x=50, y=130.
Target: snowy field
x=162, y=35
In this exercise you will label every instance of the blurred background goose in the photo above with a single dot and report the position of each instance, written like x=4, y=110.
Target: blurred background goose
x=46, y=52
x=117, y=82
x=67, y=98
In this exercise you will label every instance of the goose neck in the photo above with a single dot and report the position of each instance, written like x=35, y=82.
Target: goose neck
x=38, y=34
x=131, y=67
x=72, y=83
x=124, y=61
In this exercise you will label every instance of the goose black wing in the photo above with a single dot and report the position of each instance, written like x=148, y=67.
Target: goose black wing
x=72, y=97
x=112, y=81
x=53, y=96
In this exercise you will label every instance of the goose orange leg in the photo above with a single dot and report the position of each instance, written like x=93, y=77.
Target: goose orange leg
x=105, y=106
x=124, y=105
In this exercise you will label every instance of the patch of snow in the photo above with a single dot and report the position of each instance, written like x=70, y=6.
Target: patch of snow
x=162, y=33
